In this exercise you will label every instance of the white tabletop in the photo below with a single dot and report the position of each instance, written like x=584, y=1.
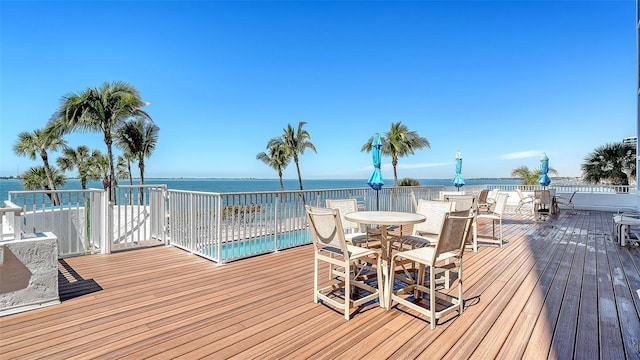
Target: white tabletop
x=385, y=217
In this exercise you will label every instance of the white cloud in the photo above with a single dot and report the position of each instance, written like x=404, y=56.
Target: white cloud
x=522, y=155
x=416, y=166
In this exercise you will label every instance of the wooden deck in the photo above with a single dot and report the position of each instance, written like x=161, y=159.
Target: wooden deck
x=559, y=289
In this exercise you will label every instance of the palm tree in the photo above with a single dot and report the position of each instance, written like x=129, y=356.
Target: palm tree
x=99, y=169
x=528, y=176
x=37, y=178
x=398, y=142
x=129, y=158
x=40, y=142
x=615, y=163
x=78, y=158
x=296, y=142
x=277, y=157
x=122, y=168
x=139, y=138
x=104, y=110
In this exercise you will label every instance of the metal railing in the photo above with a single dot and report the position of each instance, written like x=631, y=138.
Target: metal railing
x=85, y=223
x=224, y=227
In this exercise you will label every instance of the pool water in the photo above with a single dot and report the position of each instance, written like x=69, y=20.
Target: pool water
x=261, y=245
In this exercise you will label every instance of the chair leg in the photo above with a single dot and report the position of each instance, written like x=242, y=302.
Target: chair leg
x=460, y=300
x=432, y=297
x=330, y=267
x=419, y=280
x=447, y=277
x=500, y=231
x=347, y=289
x=493, y=228
x=315, y=278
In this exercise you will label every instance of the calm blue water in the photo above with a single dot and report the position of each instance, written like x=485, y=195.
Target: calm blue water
x=243, y=185
x=249, y=247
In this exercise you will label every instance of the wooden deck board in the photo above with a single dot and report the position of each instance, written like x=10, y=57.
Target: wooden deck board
x=557, y=289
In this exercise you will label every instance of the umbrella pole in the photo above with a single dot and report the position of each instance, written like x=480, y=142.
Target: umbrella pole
x=377, y=201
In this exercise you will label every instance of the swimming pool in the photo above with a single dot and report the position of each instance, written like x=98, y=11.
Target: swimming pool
x=259, y=245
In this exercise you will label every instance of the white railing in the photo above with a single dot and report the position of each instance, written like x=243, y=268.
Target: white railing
x=225, y=227
x=67, y=221
x=83, y=219
x=132, y=218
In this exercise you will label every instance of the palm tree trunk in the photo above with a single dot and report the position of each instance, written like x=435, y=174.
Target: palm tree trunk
x=112, y=170
x=295, y=159
x=54, y=196
x=281, y=183
x=395, y=171
x=130, y=182
x=141, y=167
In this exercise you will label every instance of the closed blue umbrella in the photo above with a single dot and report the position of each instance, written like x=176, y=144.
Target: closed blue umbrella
x=375, y=180
x=458, y=180
x=544, y=167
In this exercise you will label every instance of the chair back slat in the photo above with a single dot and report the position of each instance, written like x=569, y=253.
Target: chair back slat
x=463, y=202
x=482, y=197
x=345, y=206
x=435, y=212
x=326, y=228
x=501, y=203
x=453, y=235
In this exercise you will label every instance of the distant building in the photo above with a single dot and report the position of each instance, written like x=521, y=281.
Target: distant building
x=630, y=140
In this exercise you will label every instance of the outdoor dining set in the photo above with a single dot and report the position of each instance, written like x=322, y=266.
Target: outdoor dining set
x=405, y=258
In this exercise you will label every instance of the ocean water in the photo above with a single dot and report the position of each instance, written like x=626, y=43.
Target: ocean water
x=244, y=185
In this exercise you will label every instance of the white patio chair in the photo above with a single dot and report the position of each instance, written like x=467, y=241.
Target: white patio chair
x=489, y=201
x=524, y=200
x=353, y=231
x=542, y=204
x=467, y=202
x=566, y=202
x=426, y=233
x=445, y=256
x=623, y=222
x=345, y=261
x=495, y=215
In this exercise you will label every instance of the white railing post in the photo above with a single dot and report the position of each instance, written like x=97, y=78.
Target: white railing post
x=219, y=230
x=275, y=223
x=105, y=221
x=192, y=222
x=13, y=214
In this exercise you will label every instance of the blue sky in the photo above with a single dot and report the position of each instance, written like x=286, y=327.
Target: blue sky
x=501, y=81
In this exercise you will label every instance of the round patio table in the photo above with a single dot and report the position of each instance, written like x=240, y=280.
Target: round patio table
x=384, y=219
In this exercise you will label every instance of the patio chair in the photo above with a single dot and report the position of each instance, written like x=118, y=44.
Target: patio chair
x=445, y=256
x=489, y=201
x=542, y=204
x=624, y=221
x=466, y=202
x=426, y=233
x=462, y=202
x=495, y=215
x=524, y=200
x=566, y=202
x=443, y=194
x=482, y=200
x=345, y=260
x=353, y=231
